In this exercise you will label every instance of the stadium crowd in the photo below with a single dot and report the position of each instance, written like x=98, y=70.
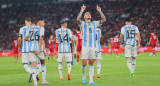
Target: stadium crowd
x=144, y=13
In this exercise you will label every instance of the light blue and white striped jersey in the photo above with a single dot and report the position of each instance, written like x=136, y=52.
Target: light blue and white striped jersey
x=34, y=33
x=22, y=34
x=63, y=35
x=130, y=32
x=88, y=31
x=98, y=38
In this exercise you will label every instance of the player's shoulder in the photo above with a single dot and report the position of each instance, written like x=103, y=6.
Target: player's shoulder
x=134, y=26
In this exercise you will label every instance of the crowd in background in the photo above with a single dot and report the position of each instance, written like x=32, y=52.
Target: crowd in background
x=145, y=14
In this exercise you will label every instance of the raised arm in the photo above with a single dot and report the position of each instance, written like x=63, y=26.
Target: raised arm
x=103, y=18
x=80, y=14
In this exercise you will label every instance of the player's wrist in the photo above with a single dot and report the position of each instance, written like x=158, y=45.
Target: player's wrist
x=82, y=11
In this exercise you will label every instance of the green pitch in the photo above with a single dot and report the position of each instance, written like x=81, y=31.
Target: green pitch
x=114, y=72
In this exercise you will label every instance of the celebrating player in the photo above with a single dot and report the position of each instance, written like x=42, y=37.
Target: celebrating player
x=129, y=33
x=51, y=48
x=116, y=40
x=99, y=53
x=153, y=41
x=25, y=46
x=79, y=44
x=64, y=35
x=36, y=35
x=15, y=49
x=88, y=30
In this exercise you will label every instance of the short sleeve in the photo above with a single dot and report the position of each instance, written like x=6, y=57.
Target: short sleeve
x=20, y=32
x=56, y=34
x=122, y=31
x=81, y=24
x=97, y=23
x=69, y=32
x=27, y=32
x=41, y=32
x=137, y=31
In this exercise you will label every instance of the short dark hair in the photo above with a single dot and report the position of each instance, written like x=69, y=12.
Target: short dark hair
x=28, y=19
x=40, y=19
x=128, y=20
x=64, y=20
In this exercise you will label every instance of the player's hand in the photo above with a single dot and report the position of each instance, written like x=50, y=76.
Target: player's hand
x=73, y=48
x=45, y=53
x=83, y=7
x=98, y=8
x=19, y=49
x=121, y=47
x=37, y=52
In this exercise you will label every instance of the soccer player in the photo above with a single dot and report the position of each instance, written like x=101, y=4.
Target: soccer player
x=116, y=44
x=79, y=44
x=88, y=30
x=129, y=33
x=99, y=52
x=56, y=46
x=75, y=43
x=15, y=49
x=64, y=35
x=153, y=40
x=25, y=46
x=36, y=50
x=112, y=47
x=51, y=48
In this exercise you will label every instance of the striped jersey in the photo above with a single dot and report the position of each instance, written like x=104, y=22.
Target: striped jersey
x=88, y=31
x=34, y=33
x=98, y=38
x=63, y=35
x=22, y=34
x=130, y=32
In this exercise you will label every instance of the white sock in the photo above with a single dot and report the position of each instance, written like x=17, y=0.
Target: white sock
x=38, y=68
x=43, y=72
x=133, y=64
x=129, y=65
x=98, y=67
x=27, y=68
x=83, y=71
x=33, y=70
x=60, y=70
x=91, y=73
x=69, y=66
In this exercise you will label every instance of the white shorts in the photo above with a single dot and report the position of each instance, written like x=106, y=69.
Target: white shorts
x=25, y=58
x=130, y=51
x=67, y=56
x=89, y=53
x=99, y=56
x=33, y=57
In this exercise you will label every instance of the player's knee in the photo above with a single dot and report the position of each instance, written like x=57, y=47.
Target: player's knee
x=84, y=63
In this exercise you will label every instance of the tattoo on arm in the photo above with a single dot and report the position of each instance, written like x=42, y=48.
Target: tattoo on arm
x=103, y=18
x=121, y=39
x=79, y=17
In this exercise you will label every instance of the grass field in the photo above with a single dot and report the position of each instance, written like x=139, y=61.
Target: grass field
x=114, y=72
